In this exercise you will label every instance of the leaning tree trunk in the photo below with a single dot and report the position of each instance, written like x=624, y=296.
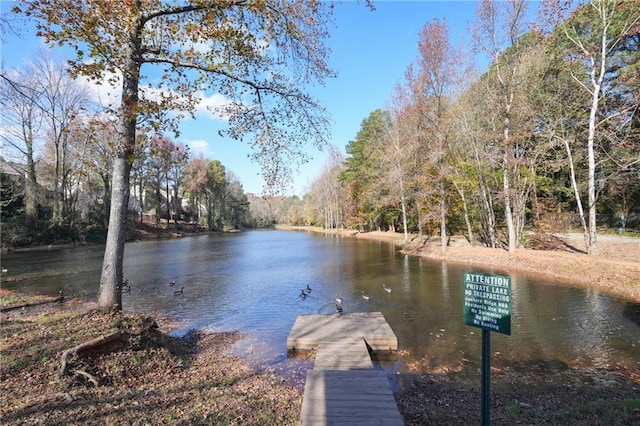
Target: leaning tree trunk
x=574, y=185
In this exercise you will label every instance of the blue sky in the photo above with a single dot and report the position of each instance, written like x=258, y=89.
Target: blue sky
x=370, y=52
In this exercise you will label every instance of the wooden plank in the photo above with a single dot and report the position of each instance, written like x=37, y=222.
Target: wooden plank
x=351, y=397
x=309, y=330
x=346, y=353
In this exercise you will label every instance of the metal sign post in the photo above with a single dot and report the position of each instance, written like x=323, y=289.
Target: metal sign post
x=487, y=305
x=485, y=418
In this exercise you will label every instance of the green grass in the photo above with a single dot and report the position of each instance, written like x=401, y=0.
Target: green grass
x=609, y=412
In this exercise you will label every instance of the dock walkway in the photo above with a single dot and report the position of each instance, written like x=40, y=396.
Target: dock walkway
x=343, y=388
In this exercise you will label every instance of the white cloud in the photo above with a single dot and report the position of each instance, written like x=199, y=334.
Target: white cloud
x=209, y=104
x=202, y=46
x=108, y=92
x=199, y=146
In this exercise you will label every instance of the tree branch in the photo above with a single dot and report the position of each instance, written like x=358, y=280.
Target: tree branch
x=177, y=10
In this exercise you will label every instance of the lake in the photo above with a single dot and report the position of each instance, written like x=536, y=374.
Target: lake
x=251, y=282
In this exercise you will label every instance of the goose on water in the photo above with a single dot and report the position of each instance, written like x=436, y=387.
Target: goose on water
x=387, y=289
x=179, y=291
x=338, y=308
x=364, y=296
x=308, y=289
x=303, y=294
x=172, y=283
x=338, y=300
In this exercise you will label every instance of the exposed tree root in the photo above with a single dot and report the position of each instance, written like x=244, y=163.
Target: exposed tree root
x=86, y=375
x=101, y=345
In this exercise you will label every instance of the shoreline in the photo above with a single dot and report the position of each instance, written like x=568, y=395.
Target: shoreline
x=198, y=378
x=616, y=270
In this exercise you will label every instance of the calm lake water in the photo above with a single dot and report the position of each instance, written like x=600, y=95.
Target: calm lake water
x=251, y=282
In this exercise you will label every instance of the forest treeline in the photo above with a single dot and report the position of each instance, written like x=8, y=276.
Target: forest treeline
x=548, y=138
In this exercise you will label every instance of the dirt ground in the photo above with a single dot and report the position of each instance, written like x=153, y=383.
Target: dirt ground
x=154, y=380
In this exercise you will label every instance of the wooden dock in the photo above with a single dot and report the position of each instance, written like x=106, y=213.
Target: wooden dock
x=346, y=353
x=343, y=388
x=309, y=330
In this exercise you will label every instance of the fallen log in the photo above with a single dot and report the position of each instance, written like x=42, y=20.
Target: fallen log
x=59, y=299
x=101, y=345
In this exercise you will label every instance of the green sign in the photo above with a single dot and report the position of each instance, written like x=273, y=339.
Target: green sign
x=487, y=302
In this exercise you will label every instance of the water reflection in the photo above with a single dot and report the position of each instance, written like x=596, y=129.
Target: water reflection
x=252, y=281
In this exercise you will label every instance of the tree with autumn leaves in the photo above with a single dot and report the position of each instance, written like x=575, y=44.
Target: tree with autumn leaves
x=552, y=121
x=257, y=54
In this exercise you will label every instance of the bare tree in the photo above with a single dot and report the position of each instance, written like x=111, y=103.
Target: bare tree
x=595, y=30
x=179, y=157
x=433, y=83
x=326, y=193
x=500, y=24
x=22, y=121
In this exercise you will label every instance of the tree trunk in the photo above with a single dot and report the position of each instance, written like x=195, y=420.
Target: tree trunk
x=574, y=185
x=112, y=266
x=465, y=208
x=592, y=247
x=110, y=293
x=404, y=212
x=420, y=219
x=488, y=214
x=57, y=210
x=443, y=216
x=158, y=202
x=508, y=215
x=177, y=210
x=140, y=190
x=168, y=201
x=31, y=184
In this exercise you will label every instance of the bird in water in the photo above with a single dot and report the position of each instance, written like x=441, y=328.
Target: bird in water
x=179, y=291
x=126, y=286
x=364, y=296
x=303, y=295
x=60, y=296
x=308, y=289
x=172, y=283
x=338, y=308
x=338, y=300
x=387, y=289
x=5, y=270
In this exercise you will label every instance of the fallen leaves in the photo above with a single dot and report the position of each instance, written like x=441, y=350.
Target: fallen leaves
x=157, y=379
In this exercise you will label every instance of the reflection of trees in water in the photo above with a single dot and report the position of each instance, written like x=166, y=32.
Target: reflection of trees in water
x=631, y=312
